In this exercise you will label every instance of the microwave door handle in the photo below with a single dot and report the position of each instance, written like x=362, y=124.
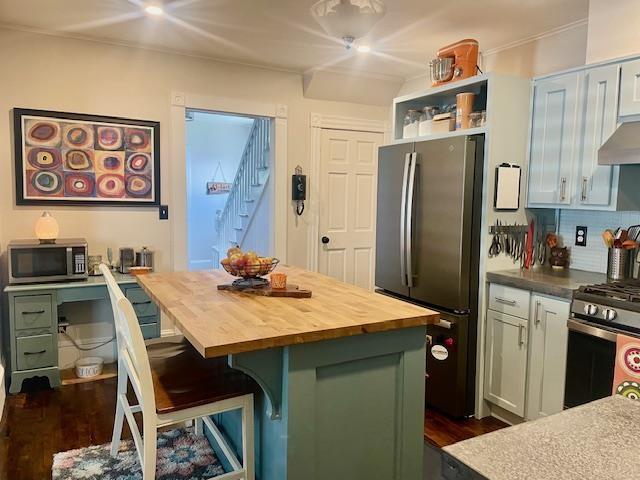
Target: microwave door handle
x=403, y=219
x=69, y=261
x=410, y=192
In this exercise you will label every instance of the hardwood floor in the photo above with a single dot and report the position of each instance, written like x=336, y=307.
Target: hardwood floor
x=41, y=422
x=440, y=430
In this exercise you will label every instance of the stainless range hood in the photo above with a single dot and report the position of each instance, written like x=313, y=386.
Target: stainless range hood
x=623, y=146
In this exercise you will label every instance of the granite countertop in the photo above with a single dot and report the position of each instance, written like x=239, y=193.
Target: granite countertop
x=596, y=440
x=557, y=283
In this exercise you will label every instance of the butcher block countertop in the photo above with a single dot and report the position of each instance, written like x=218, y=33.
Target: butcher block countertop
x=222, y=322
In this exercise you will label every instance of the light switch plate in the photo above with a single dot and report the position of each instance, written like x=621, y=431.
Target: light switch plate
x=581, y=236
x=164, y=212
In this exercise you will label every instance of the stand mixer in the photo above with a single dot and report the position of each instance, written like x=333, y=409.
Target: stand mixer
x=455, y=62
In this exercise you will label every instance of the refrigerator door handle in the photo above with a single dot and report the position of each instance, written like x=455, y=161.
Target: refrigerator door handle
x=409, y=227
x=403, y=219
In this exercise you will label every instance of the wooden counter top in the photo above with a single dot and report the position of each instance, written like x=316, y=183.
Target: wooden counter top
x=221, y=322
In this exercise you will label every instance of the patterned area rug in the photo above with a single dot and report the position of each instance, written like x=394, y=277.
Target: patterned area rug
x=181, y=456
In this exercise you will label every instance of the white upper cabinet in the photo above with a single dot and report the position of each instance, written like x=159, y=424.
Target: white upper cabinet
x=600, y=119
x=630, y=89
x=553, y=145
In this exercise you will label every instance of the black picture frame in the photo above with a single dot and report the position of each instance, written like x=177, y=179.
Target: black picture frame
x=19, y=142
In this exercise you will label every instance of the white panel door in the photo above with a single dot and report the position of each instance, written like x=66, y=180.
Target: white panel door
x=505, y=369
x=547, y=356
x=553, y=140
x=630, y=89
x=348, y=180
x=600, y=119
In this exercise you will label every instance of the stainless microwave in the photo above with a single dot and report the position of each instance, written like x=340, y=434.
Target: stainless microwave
x=32, y=262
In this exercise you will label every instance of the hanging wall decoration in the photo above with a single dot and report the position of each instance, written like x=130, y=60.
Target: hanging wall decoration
x=216, y=188
x=77, y=159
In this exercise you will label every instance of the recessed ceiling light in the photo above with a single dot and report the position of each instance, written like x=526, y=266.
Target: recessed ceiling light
x=153, y=10
x=364, y=48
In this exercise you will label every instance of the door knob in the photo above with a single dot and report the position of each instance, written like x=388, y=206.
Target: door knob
x=325, y=240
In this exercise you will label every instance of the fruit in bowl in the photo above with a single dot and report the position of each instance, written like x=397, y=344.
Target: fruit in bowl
x=247, y=265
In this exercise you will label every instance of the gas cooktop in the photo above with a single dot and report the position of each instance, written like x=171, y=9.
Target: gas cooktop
x=614, y=304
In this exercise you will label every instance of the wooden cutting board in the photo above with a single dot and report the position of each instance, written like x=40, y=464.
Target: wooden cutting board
x=292, y=291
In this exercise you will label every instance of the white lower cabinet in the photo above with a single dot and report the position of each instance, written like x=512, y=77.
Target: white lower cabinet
x=525, y=358
x=547, y=356
x=506, y=361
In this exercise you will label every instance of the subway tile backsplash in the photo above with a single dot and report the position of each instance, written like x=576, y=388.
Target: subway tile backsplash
x=593, y=257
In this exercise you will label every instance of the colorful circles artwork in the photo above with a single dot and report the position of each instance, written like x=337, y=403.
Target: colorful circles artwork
x=138, y=186
x=42, y=158
x=79, y=184
x=46, y=182
x=72, y=159
x=78, y=160
x=111, y=186
x=629, y=389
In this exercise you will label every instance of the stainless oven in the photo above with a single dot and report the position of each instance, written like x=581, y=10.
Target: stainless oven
x=32, y=262
x=591, y=355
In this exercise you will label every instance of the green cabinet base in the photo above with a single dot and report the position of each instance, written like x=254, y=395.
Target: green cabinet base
x=19, y=376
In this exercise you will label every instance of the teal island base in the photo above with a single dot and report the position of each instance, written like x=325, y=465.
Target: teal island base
x=351, y=408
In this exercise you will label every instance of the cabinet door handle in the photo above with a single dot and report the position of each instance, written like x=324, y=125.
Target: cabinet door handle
x=142, y=303
x=33, y=312
x=35, y=353
x=563, y=188
x=536, y=314
x=585, y=184
x=520, y=335
x=511, y=303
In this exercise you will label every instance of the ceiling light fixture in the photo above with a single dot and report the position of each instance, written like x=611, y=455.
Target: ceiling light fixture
x=348, y=19
x=154, y=10
x=364, y=48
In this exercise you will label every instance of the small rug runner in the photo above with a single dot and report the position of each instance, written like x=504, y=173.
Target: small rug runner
x=181, y=456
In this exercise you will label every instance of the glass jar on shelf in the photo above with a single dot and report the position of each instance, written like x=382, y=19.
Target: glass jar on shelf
x=426, y=119
x=475, y=119
x=410, y=124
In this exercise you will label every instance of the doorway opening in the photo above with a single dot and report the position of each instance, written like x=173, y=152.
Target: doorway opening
x=229, y=189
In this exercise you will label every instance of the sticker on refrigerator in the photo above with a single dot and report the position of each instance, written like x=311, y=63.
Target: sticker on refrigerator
x=439, y=352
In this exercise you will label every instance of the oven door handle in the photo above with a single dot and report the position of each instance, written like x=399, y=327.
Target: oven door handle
x=592, y=330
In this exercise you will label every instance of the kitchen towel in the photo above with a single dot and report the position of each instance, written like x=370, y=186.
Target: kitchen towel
x=626, y=378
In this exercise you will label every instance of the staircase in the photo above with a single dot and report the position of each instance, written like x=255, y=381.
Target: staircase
x=233, y=222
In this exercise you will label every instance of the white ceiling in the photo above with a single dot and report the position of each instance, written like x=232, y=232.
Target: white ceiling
x=282, y=33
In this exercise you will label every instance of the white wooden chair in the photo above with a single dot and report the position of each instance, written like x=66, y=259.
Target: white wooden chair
x=175, y=388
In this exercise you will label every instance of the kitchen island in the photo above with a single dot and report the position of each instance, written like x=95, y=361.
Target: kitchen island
x=341, y=373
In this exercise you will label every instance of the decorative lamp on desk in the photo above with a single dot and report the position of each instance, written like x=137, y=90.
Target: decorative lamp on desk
x=46, y=228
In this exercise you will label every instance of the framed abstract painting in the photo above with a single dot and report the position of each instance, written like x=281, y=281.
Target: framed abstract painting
x=77, y=159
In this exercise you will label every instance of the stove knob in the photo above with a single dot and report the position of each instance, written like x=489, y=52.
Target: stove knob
x=609, y=314
x=590, y=309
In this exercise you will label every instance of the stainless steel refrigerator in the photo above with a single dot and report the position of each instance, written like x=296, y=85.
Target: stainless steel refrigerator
x=427, y=252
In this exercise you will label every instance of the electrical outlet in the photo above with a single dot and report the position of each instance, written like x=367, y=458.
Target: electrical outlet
x=62, y=327
x=581, y=236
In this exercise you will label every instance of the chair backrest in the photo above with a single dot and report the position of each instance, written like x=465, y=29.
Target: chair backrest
x=132, y=351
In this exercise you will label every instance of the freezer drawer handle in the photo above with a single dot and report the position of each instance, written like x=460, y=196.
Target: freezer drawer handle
x=34, y=312
x=511, y=303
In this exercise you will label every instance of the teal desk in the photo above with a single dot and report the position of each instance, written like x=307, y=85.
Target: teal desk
x=32, y=340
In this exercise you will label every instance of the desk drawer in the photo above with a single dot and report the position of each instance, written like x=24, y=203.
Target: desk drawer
x=509, y=300
x=150, y=330
x=33, y=311
x=141, y=302
x=35, y=352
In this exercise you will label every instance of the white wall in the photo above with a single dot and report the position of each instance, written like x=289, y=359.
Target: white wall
x=210, y=139
x=614, y=29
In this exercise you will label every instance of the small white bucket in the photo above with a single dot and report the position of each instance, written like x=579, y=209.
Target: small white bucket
x=89, y=367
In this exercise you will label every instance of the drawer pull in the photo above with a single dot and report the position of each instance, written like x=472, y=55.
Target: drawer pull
x=142, y=303
x=35, y=353
x=34, y=312
x=511, y=303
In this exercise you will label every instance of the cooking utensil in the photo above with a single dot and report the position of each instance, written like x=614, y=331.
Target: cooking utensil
x=495, y=248
x=634, y=232
x=629, y=244
x=608, y=238
x=529, y=245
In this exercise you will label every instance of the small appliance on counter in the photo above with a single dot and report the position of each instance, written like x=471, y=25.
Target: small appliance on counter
x=35, y=261
x=127, y=259
x=144, y=258
x=455, y=62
